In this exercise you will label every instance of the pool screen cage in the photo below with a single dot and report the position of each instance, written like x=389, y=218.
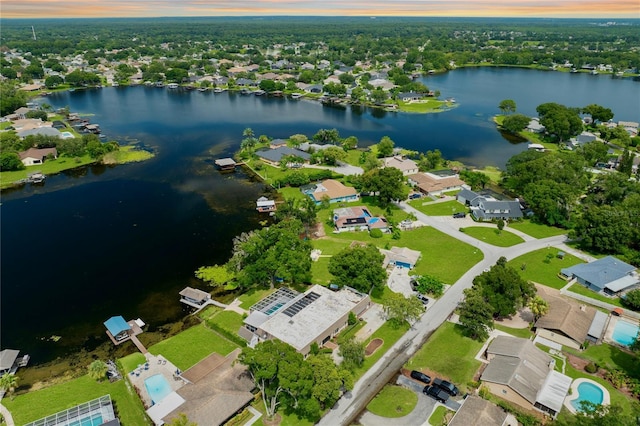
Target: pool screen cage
x=92, y=413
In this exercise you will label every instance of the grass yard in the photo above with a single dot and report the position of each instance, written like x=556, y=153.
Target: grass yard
x=610, y=357
x=537, y=230
x=393, y=401
x=537, y=270
x=425, y=106
x=289, y=192
x=253, y=296
x=127, y=154
x=192, y=345
x=580, y=289
x=446, y=208
x=43, y=402
x=49, y=167
x=228, y=320
x=132, y=361
x=449, y=353
x=390, y=336
x=437, y=418
x=436, y=247
x=525, y=333
x=493, y=236
x=494, y=173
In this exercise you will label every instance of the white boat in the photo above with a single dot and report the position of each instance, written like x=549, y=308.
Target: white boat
x=172, y=86
x=297, y=95
x=219, y=90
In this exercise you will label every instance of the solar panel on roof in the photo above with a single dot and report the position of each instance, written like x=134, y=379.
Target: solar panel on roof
x=301, y=304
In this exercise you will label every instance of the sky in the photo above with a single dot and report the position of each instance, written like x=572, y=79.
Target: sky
x=476, y=8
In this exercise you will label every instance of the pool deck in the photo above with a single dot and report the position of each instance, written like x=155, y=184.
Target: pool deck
x=154, y=365
x=608, y=334
x=606, y=399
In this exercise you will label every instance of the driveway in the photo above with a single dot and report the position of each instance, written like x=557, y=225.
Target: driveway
x=399, y=281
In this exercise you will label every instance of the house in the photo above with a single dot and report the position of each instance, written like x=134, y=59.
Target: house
x=609, y=275
x=265, y=205
x=410, y=96
x=534, y=126
x=568, y=323
x=401, y=257
x=274, y=156
x=34, y=156
x=301, y=320
x=630, y=126
x=582, y=138
x=193, y=296
x=117, y=328
x=521, y=373
x=405, y=165
x=535, y=147
x=331, y=190
x=485, y=207
x=477, y=411
x=357, y=219
x=435, y=184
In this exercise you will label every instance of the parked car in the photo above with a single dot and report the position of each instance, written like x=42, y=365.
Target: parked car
x=436, y=393
x=418, y=375
x=415, y=196
x=448, y=387
x=422, y=298
x=459, y=215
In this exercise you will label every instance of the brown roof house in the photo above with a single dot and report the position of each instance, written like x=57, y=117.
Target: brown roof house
x=35, y=156
x=476, y=411
x=568, y=323
x=405, y=165
x=332, y=190
x=521, y=373
x=400, y=257
x=433, y=184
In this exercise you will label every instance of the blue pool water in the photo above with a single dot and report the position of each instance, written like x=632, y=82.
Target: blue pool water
x=588, y=392
x=157, y=387
x=374, y=220
x=95, y=420
x=274, y=308
x=624, y=332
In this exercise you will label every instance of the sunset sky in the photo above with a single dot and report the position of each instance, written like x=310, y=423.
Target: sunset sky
x=479, y=8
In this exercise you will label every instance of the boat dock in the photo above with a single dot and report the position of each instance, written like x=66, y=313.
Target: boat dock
x=198, y=299
x=226, y=164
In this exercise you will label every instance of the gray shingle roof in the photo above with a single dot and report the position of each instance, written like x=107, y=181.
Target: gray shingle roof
x=601, y=272
x=275, y=155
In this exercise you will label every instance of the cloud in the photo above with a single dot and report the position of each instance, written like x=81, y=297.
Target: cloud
x=151, y=8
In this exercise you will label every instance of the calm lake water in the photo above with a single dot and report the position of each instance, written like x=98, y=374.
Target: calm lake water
x=124, y=240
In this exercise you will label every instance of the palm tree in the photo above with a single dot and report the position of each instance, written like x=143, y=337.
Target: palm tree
x=539, y=307
x=182, y=420
x=9, y=383
x=248, y=133
x=98, y=370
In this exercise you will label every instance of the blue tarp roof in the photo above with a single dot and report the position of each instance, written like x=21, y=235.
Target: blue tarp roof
x=116, y=325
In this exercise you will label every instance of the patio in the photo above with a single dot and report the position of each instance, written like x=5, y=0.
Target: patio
x=154, y=365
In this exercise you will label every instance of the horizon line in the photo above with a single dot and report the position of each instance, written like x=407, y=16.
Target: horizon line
x=326, y=16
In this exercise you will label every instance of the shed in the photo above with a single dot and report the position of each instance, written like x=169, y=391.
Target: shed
x=596, y=330
x=7, y=359
x=194, y=295
x=118, y=327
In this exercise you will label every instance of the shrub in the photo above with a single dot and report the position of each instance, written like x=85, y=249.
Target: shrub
x=375, y=233
x=632, y=300
x=353, y=319
x=591, y=368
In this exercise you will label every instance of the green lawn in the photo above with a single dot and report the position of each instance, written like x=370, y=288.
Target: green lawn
x=49, y=167
x=580, y=289
x=437, y=418
x=525, y=333
x=253, y=296
x=127, y=154
x=430, y=105
x=537, y=270
x=228, y=320
x=493, y=236
x=610, y=357
x=43, y=402
x=389, y=335
x=437, y=248
x=132, y=361
x=446, y=208
x=393, y=401
x=192, y=345
x=449, y=353
x=537, y=230
x=289, y=192
x=494, y=173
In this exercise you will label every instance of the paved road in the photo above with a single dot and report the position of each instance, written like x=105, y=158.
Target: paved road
x=352, y=403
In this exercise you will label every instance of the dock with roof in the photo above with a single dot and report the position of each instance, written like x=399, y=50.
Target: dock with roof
x=120, y=331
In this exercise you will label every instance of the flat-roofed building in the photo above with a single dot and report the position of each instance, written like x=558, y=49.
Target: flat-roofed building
x=315, y=316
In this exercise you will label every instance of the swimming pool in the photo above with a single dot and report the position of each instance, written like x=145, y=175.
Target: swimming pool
x=88, y=421
x=624, y=332
x=157, y=387
x=588, y=392
x=67, y=135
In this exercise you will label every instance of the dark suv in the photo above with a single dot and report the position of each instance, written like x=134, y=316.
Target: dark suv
x=459, y=215
x=420, y=376
x=422, y=298
x=436, y=393
x=448, y=387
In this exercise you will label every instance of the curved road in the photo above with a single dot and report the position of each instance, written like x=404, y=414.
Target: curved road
x=345, y=411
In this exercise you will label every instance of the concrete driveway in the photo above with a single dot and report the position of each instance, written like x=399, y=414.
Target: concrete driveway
x=399, y=281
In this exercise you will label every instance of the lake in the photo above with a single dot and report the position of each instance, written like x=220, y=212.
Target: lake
x=103, y=241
